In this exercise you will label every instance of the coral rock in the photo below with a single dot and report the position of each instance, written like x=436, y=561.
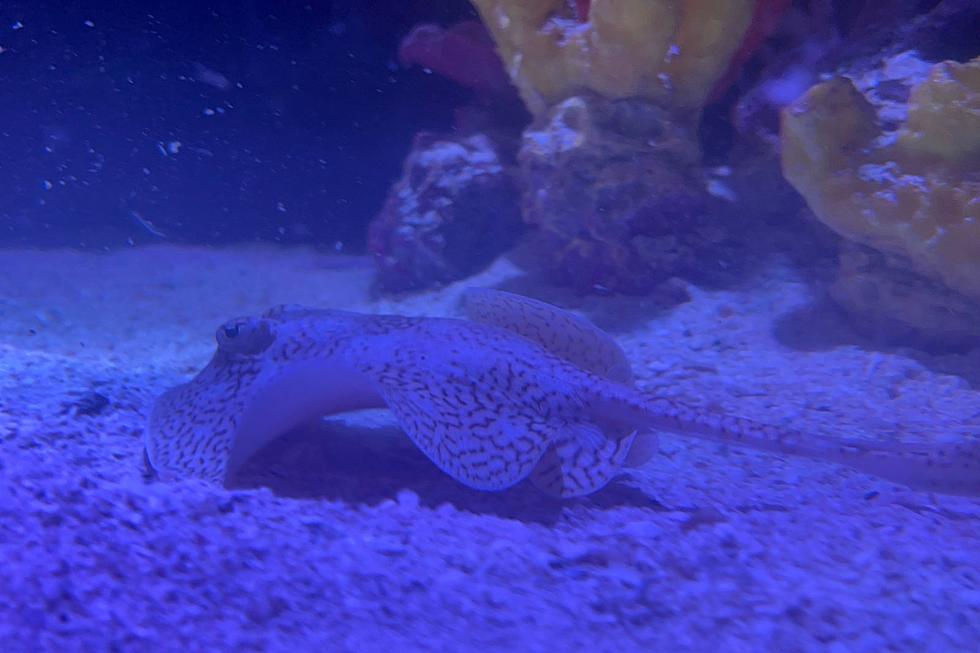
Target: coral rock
x=615, y=193
x=453, y=210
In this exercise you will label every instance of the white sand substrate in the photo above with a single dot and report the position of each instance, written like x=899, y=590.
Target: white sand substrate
x=348, y=539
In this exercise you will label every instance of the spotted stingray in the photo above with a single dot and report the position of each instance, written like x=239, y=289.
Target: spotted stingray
x=519, y=390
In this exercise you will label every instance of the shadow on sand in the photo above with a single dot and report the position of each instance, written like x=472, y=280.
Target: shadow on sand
x=369, y=465
x=821, y=326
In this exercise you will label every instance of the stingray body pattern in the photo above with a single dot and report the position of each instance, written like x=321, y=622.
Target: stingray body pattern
x=519, y=390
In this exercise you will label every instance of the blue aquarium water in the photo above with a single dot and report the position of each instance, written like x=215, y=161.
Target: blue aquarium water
x=566, y=325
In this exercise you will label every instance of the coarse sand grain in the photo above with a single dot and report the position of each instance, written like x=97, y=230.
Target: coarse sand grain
x=345, y=538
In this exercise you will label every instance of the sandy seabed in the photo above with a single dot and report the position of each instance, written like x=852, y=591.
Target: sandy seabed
x=348, y=539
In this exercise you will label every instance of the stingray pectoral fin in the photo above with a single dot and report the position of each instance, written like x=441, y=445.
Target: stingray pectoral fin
x=581, y=461
x=298, y=395
x=564, y=334
x=646, y=445
x=186, y=436
x=478, y=447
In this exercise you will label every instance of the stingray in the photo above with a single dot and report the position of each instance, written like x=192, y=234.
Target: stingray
x=519, y=390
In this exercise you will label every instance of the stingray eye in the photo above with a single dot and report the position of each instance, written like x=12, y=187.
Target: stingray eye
x=244, y=336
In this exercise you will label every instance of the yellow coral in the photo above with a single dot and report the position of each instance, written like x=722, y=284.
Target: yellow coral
x=914, y=192
x=944, y=115
x=669, y=51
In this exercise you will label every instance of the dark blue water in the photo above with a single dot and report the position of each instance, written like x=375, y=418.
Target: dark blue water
x=207, y=121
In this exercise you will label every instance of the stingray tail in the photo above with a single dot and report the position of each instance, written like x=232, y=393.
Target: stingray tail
x=949, y=468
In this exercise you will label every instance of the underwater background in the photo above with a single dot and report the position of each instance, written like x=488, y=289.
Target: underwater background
x=771, y=206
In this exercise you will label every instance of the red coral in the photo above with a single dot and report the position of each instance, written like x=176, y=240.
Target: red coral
x=765, y=17
x=464, y=53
